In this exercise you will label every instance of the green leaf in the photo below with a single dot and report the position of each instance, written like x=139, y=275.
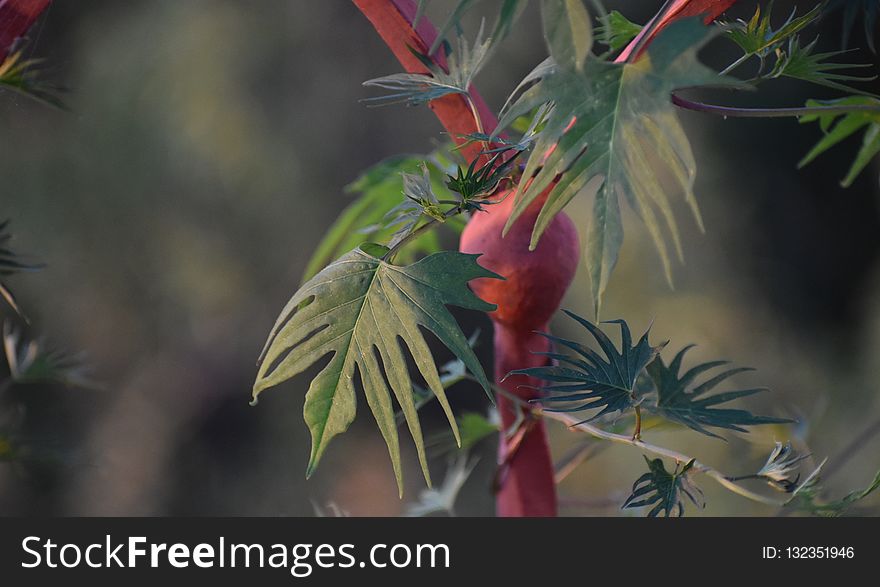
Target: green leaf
x=10, y=264
x=415, y=89
x=664, y=490
x=679, y=402
x=359, y=310
x=612, y=134
x=616, y=31
x=807, y=497
x=801, y=63
x=757, y=37
x=509, y=13
x=25, y=76
x=378, y=191
x=568, y=32
x=838, y=127
x=32, y=361
x=590, y=381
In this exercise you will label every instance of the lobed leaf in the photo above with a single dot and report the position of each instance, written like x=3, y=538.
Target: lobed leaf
x=680, y=401
x=838, y=127
x=613, y=133
x=363, y=311
x=588, y=380
x=568, y=32
x=663, y=490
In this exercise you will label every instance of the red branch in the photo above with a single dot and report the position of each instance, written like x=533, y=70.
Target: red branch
x=16, y=17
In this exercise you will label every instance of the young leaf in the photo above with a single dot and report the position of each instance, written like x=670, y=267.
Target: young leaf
x=25, y=76
x=612, y=132
x=616, y=31
x=838, y=127
x=442, y=499
x=590, y=381
x=692, y=407
x=415, y=89
x=31, y=361
x=10, y=263
x=807, y=497
x=419, y=201
x=780, y=470
x=758, y=38
x=664, y=490
x=359, y=310
x=801, y=63
x=379, y=189
x=568, y=32
x=509, y=13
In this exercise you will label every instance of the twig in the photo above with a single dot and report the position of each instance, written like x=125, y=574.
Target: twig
x=736, y=112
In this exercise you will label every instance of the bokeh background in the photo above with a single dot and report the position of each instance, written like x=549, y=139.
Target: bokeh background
x=205, y=151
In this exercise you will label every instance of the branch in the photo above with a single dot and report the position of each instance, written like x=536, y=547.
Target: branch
x=735, y=112
x=576, y=424
x=393, y=20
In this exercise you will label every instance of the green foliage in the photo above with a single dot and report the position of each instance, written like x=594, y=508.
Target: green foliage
x=664, y=490
x=419, y=201
x=758, y=38
x=807, y=497
x=416, y=89
x=378, y=190
x=589, y=381
x=616, y=31
x=32, y=361
x=508, y=14
x=678, y=402
x=568, y=32
x=358, y=310
x=801, y=63
x=475, y=183
x=26, y=77
x=613, y=133
x=10, y=264
x=838, y=127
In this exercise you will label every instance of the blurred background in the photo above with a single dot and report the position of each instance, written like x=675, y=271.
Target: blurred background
x=205, y=152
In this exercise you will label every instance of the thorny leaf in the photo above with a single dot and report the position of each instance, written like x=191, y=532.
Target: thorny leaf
x=25, y=76
x=807, y=497
x=758, y=38
x=801, y=63
x=616, y=31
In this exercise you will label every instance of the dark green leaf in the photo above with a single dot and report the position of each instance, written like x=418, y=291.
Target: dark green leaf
x=587, y=380
x=361, y=310
x=838, y=127
x=568, y=32
x=679, y=400
x=613, y=133
x=663, y=490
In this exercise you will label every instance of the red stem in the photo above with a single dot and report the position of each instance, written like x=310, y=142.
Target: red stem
x=526, y=485
x=16, y=17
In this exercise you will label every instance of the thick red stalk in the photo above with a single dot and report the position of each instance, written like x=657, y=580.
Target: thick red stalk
x=16, y=17
x=535, y=280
